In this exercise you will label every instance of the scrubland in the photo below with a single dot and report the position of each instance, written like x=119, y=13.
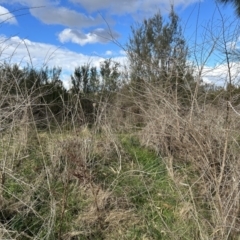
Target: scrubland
x=149, y=154
x=146, y=168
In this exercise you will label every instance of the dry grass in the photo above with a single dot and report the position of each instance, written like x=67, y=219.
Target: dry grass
x=52, y=184
x=201, y=152
x=148, y=168
x=86, y=183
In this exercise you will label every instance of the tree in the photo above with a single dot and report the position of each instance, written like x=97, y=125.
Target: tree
x=236, y=4
x=110, y=74
x=31, y=81
x=51, y=88
x=94, y=80
x=10, y=78
x=85, y=80
x=76, y=80
x=157, y=52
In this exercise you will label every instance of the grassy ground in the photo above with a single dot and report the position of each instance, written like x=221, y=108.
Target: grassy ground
x=175, y=177
x=87, y=185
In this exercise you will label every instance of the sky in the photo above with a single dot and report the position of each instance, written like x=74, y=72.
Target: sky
x=71, y=33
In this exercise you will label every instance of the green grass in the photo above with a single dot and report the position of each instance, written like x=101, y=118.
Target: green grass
x=145, y=181
x=142, y=191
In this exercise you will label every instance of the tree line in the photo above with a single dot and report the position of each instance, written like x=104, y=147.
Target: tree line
x=157, y=52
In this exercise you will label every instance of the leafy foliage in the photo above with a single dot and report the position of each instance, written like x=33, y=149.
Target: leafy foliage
x=110, y=75
x=156, y=48
x=158, y=55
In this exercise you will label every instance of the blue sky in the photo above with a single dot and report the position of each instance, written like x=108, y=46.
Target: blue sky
x=70, y=33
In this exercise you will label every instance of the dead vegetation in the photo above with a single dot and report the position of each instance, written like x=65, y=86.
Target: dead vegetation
x=148, y=161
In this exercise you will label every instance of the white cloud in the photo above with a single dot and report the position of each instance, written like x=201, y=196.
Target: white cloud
x=122, y=52
x=125, y=6
x=99, y=35
x=31, y=3
x=233, y=46
x=52, y=12
x=6, y=16
x=15, y=50
x=130, y=6
x=219, y=75
x=108, y=53
x=65, y=17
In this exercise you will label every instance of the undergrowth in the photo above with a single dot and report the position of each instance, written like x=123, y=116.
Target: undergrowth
x=173, y=177
x=86, y=185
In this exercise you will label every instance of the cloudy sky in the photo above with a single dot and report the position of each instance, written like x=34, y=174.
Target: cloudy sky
x=69, y=33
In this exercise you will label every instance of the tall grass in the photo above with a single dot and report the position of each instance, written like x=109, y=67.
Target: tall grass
x=201, y=153
x=150, y=166
x=147, y=168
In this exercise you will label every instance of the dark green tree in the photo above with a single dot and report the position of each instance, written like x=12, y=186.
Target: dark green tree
x=51, y=96
x=10, y=78
x=94, y=80
x=52, y=89
x=30, y=82
x=85, y=80
x=110, y=75
x=157, y=53
x=76, y=80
